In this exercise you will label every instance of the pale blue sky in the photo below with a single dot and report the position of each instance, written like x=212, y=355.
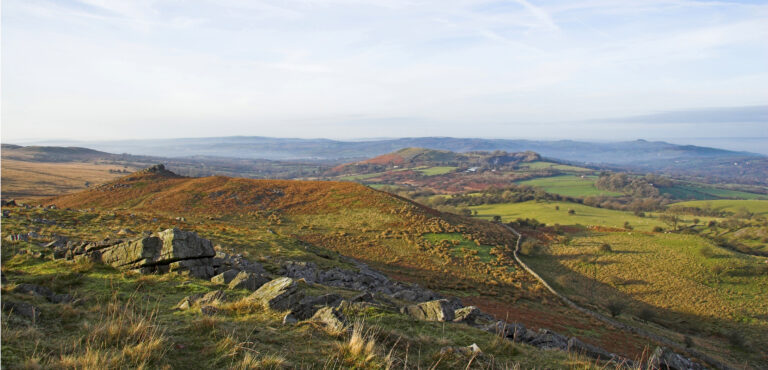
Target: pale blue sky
x=593, y=69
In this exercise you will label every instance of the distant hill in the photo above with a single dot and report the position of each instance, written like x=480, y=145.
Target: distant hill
x=52, y=153
x=695, y=161
x=423, y=157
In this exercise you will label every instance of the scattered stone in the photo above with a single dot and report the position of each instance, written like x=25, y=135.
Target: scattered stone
x=225, y=277
x=664, y=358
x=279, y=294
x=437, y=310
x=469, y=351
x=23, y=309
x=202, y=299
x=331, y=318
x=44, y=292
x=247, y=280
x=472, y=316
x=548, y=339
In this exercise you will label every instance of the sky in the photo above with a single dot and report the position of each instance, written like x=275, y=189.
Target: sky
x=591, y=69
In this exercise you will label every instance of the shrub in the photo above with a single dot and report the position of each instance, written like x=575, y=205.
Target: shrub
x=646, y=314
x=627, y=225
x=571, y=211
x=615, y=308
x=606, y=248
x=658, y=229
x=530, y=248
x=735, y=338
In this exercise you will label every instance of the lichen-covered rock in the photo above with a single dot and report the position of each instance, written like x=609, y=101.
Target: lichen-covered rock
x=279, y=294
x=512, y=331
x=437, y=310
x=247, y=280
x=332, y=319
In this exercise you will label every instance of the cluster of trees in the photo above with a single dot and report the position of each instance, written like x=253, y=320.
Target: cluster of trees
x=636, y=186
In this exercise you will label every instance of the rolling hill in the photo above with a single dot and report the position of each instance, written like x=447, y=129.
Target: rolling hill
x=640, y=155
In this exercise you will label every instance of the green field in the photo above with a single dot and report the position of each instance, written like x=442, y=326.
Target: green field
x=703, y=192
x=759, y=207
x=584, y=215
x=440, y=170
x=553, y=166
x=668, y=274
x=569, y=185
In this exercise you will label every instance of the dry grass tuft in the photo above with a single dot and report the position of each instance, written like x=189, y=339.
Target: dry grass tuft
x=124, y=337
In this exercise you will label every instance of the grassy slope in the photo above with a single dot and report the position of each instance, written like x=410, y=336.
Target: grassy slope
x=584, y=215
x=22, y=179
x=569, y=185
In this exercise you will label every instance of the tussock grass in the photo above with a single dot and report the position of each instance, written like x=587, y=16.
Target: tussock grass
x=124, y=337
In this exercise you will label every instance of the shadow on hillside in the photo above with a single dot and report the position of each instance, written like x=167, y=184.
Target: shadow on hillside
x=597, y=295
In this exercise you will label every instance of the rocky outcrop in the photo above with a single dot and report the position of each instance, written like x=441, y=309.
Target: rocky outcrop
x=364, y=280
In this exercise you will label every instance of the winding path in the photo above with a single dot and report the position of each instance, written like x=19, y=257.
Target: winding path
x=619, y=325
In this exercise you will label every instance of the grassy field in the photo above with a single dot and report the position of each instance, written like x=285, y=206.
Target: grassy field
x=712, y=292
x=569, y=185
x=758, y=207
x=26, y=180
x=553, y=166
x=548, y=213
x=703, y=192
x=439, y=170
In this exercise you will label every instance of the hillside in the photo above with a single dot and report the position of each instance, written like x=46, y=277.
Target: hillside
x=276, y=221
